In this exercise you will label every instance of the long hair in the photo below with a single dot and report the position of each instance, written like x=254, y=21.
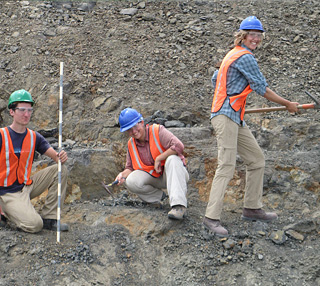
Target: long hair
x=239, y=36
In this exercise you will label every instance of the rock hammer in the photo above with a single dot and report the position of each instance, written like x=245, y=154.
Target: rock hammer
x=315, y=105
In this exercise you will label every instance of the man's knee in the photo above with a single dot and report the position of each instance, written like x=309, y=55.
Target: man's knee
x=133, y=183
x=225, y=170
x=173, y=159
x=33, y=226
x=257, y=163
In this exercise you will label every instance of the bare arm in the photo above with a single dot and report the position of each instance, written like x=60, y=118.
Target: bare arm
x=272, y=96
x=161, y=157
x=55, y=156
x=123, y=175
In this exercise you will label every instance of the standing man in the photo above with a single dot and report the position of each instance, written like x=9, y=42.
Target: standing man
x=238, y=75
x=17, y=186
x=154, y=162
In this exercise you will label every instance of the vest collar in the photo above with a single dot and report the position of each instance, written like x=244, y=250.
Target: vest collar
x=244, y=46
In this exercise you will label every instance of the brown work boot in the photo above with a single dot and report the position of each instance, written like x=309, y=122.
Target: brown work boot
x=177, y=212
x=258, y=214
x=215, y=226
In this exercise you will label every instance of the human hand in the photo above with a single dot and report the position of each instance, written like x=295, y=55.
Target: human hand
x=292, y=107
x=63, y=156
x=120, y=178
x=157, y=165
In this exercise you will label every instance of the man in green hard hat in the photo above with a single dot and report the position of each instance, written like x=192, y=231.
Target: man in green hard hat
x=17, y=184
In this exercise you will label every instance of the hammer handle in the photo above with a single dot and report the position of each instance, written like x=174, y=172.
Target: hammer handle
x=279, y=108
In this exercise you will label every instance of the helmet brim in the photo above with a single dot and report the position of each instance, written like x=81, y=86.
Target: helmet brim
x=131, y=124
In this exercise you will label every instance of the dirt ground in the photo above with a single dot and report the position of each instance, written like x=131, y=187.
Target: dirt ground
x=126, y=242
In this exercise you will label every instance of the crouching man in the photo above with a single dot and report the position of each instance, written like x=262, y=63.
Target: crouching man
x=154, y=162
x=17, y=187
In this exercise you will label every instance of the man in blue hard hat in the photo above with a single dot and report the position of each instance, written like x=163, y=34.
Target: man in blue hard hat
x=237, y=77
x=154, y=162
x=17, y=184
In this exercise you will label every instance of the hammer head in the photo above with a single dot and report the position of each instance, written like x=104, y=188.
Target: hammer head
x=107, y=189
x=317, y=102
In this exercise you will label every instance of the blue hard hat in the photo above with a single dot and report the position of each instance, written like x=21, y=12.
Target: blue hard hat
x=128, y=118
x=251, y=23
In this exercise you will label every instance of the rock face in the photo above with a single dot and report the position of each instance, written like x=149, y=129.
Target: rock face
x=158, y=57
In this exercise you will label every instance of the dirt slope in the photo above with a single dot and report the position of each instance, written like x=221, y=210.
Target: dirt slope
x=159, y=56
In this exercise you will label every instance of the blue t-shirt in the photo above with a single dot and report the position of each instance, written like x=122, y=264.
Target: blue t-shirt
x=42, y=146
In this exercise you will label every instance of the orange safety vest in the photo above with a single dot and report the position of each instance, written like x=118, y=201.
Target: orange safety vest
x=155, y=148
x=13, y=168
x=220, y=94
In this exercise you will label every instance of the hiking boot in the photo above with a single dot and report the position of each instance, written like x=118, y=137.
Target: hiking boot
x=177, y=212
x=258, y=214
x=3, y=221
x=215, y=226
x=52, y=224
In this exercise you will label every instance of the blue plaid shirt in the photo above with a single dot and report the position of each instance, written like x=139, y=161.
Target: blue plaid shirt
x=243, y=71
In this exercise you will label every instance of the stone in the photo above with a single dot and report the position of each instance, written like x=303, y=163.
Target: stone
x=230, y=243
x=148, y=17
x=74, y=195
x=141, y=5
x=50, y=33
x=16, y=34
x=294, y=234
x=174, y=123
x=129, y=11
x=278, y=237
x=304, y=226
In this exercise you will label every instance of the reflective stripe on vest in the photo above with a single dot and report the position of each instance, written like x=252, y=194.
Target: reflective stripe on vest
x=29, y=162
x=220, y=94
x=155, y=149
x=155, y=146
x=5, y=144
x=12, y=167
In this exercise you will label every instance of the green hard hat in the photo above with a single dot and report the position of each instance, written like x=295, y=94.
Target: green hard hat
x=20, y=96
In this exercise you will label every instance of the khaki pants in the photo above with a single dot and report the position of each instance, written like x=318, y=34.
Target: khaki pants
x=174, y=179
x=17, y=206
x=232, y=138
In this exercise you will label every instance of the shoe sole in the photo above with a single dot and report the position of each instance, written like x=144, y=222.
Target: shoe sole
x=176, y=218
x=171, y=216
x=255, y=219
x=55, y=229
x=214, y=233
